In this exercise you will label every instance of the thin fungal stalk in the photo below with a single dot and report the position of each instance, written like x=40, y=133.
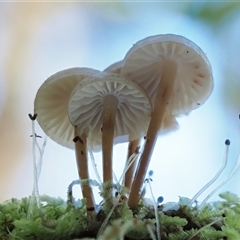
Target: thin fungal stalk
x=132, y=146
x=148, y=182
x=83, y=172
x=110, y=104
x=204, y=227
x=231, y=174
x=95, y=168
x=41, y=152
x=131, y=160
x=224, y=164
x=106, y=220
x=161, y=102
x=35, y=191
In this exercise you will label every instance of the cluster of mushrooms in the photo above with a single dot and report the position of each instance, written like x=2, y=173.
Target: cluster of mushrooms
x=160, y=78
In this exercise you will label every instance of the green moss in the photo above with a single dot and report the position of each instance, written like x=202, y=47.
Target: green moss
x=58, y=219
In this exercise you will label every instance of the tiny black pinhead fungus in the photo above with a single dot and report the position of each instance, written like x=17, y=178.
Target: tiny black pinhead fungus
x=150, y=173
x=32, y=117
x=160, y=199
x=227, y=142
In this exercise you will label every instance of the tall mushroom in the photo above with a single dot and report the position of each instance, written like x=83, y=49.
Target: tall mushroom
x=134, y=143
x=169, y=123
x=107, y=107
x=51, y=106
x=177, y=77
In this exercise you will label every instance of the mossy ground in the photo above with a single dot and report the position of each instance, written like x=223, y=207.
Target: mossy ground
x=59, y=219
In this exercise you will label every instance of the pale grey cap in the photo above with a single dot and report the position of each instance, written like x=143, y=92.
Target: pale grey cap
x=51, y=104
x=169, y=122
x=86, y=107
x=194, y=81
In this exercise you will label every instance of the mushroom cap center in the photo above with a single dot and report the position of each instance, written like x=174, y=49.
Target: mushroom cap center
x=114, y=93
x=110, y=101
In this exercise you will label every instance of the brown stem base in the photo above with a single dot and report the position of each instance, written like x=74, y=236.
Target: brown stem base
x=82, y=165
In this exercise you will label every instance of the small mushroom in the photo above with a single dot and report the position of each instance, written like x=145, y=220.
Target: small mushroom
x=51, y=106
x=133, y=144
x=169, y=123
x=109, y=107
x=177, y=77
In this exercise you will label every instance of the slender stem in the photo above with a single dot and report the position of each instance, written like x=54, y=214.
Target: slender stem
x=205, y=187
x=35, y=166
x=132, y=146
x=41, y=151
x=82, y=165
x=230, y=175
x=162, y=99
x=110, y=103
x=155, y=211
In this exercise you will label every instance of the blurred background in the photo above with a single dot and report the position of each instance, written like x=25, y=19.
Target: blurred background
x=39, y=39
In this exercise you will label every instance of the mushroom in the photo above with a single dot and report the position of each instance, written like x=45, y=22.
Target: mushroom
x=51, y=103
x=169, y=123
x=133, y=144
x=177, y=77
x=108, y=107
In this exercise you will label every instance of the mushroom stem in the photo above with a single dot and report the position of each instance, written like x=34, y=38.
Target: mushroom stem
x=82, y=165
x=132, y=146
x=110, y=104
x=161, y=101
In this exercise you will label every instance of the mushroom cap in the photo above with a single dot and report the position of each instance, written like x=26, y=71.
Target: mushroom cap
x=51, y=104
x=169, y=122
x=115, y=67
x=86, y=107
x=194, y=82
